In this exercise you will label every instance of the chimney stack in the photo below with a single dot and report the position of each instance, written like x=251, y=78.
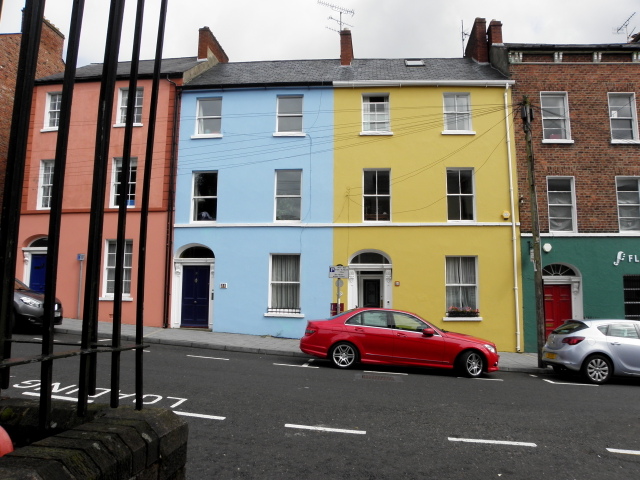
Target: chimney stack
x=477, y=47
x=346, y=47
x=209, y=46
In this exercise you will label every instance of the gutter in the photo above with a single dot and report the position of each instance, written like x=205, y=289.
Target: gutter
x=423, y=83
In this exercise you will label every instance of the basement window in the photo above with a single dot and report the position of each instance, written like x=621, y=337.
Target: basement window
x=414, y=63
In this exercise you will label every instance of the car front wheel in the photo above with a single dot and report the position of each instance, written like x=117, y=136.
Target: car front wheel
x=344, y=355
x=597, y=369
x=471, y=364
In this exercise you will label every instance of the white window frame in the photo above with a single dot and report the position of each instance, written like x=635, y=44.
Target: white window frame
x=459, y=112
x=376, y=195
x=615, y=115
x=285, y=197
x=122, y=107
x=281, y=116
x=380, y=118
x=194, y=199
x=275, y=311
x=572, y=205
x=200, y=118
x=45, y=184
x=131, y=190
x=550, y=115
x=109, y=266
x=461, y=195
x=628, y=200
x=459, y=284
x=52, y=115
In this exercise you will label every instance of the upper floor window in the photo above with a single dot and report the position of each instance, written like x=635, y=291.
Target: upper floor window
x=555, y=116
x=561, y=199
x=377, y=195
x=457, y=112
x=209, y=116
x=375, y=113
x=119, y=188
x=205, y=196
x=124, y=96
x=461, y=282
x=46, y=184
x=628, y=203
x=289, y=114
x=460, y=194
x=288, y=194
x=109, y=286
x=623, y=118
x=52, y=111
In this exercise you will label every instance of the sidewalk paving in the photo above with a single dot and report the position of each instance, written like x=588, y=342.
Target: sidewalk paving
x=267, y=345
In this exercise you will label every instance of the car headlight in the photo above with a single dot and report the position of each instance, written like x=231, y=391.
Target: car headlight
x=491, y=348
x=32, y=302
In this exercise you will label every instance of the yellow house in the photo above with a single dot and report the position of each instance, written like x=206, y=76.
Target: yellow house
x=425, y=194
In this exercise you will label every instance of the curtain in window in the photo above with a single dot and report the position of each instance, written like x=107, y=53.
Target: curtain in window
x=461, y=282
x=285, y=282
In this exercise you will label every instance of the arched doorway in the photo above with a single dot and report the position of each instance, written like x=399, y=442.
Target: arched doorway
x=35, y=259
x=369, y=280
x=562, y=295
x=193, y=287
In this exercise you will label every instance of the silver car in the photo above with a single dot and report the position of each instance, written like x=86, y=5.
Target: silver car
x=598, y=349
x=28, y=307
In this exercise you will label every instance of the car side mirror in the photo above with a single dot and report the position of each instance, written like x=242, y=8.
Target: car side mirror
x=428, y=332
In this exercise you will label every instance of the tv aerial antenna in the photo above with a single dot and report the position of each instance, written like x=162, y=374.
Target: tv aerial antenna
x=341, y=11
x=624, y=28
x=463, y=35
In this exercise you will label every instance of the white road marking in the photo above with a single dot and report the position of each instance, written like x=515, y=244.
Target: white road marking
x=387, y=373
x=209, y=358
x=306, y=365
x=56, y=397
x=494, y=442
x=489, y=379
x=325, y=429
x=627, y=452
x=566, y=383
x=198, y=415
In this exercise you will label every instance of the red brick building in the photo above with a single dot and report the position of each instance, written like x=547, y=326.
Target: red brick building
x=49, y=62
x=586, y=145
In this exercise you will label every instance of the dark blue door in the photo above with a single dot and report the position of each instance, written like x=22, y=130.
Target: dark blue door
x=195, y=296
x=38, y=270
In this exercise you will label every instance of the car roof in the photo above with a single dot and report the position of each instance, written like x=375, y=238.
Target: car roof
x=600, y=321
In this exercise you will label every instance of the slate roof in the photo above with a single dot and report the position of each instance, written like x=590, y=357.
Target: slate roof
x=325, y=72
x=93, y=72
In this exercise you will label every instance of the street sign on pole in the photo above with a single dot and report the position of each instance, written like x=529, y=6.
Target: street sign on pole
x=338, y=271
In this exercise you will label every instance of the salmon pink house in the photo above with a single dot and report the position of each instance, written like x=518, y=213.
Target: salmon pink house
x=32, y=245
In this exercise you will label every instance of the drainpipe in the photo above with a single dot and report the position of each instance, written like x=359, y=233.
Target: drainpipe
x=514, y=238
x=170, y=207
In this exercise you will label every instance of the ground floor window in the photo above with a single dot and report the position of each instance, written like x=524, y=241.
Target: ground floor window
x=631, y=284
x=285, y=284
x=461, y=283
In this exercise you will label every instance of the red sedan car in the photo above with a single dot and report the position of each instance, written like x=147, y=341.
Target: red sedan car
x=394, y=337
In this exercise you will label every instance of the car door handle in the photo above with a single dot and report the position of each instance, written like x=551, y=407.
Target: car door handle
x=616, y=343
x=359, y=330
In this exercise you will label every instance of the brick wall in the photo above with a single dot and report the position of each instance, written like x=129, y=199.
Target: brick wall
x=49, y=62
x=592, y=159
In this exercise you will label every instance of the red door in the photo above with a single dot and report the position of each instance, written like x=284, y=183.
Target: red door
x=557, y=306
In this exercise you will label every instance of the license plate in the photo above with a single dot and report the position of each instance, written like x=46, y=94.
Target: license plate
x=56, y=314
x=550, y=356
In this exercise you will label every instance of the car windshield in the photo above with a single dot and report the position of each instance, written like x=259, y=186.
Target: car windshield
x=569, y=327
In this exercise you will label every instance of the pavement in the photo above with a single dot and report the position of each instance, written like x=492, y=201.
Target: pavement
x=262, y=344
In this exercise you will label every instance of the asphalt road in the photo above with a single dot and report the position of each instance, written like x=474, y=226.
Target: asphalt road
x=254, y=416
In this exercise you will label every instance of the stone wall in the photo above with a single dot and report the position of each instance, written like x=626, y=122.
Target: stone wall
x=113, y=444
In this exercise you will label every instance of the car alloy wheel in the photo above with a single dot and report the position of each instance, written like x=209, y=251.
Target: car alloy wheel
x=597, y=369
x=471, y=364
x=344, y=355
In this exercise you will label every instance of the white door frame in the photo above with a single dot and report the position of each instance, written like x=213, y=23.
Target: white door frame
x=176, y=288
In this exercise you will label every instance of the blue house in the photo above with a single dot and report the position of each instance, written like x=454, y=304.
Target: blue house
x=253, y=238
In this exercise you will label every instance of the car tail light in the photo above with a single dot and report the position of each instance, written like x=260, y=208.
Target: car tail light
x=572, y=340
x=310, y=331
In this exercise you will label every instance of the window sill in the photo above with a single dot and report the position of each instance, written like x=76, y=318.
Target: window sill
x=49, y=129
x=462, y=319
x=458, y=132
x=122, y=125
x=284, y=315
x=373, y=134
x=206, y=135
x=289, y=134
x=203, y=222
x=625, y=142
x=111, y=299
x=558, y=140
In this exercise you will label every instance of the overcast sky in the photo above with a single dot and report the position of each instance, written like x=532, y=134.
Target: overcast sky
x=251, y=30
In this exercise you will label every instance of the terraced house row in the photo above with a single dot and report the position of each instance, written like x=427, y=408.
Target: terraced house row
x=409, y=172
